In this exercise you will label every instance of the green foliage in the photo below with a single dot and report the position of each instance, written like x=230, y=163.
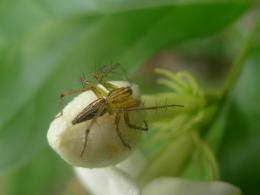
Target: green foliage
x=49, y=51
x=46, y=45
x=239, y=150
x=46, y=174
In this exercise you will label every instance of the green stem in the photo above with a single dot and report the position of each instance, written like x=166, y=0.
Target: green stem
x=234, y=74
x=169, y=161
x=240, y=61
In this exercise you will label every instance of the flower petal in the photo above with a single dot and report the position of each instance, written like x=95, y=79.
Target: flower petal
x=176, y=186
x=134, y=164
x=107, y=181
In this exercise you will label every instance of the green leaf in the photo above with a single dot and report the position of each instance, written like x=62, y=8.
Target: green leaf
x=239, y=151
x=79, y=7
x=45, y=174
x=42, y=55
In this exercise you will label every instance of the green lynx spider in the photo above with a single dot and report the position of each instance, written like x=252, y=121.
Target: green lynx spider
x=118, y=101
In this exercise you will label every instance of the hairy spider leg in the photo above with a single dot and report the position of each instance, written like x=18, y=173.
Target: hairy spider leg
x=117, y=121
x=104, y=71
x=99, y=92
x=133, y=126
x=147, y=108
x=101, y=74
x=86, y=136
x=71, y=92
x=74, y=91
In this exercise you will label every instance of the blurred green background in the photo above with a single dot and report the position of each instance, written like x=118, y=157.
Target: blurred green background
x=46, y=45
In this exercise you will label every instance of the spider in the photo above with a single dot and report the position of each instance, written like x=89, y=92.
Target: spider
x=117, y=101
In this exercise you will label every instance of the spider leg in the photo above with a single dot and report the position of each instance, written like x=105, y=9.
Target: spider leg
x=109, y=86
x=68, y=93
x=117, y=120
x=87, y=131
x=99, y=92
x=128, y=123
x=87, y=86
x=86, y=136
x=101, y=74
x=73, y=91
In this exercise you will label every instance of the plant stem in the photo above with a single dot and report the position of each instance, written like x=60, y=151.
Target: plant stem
x=240, y=61
x=233, y=75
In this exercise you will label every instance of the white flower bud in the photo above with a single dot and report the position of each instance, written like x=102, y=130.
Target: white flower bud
x=104, y=146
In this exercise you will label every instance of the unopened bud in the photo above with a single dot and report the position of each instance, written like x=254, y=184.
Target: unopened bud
x=104, y=146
